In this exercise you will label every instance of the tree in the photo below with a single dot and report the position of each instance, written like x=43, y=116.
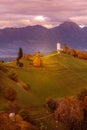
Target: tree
x=82, y=94
x=69, y=113
x=52, y=104
x=20, y=55
x=74, y=53
x=37, y=61
x=66, y=49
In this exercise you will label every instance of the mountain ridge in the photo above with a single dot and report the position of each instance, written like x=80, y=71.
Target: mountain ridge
x=39, y=38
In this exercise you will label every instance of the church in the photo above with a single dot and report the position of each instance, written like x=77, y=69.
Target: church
x=59, y=48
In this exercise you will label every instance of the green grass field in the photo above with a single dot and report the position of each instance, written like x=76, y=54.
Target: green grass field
x=60, y=76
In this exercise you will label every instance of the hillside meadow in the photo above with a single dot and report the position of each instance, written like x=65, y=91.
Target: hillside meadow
x=59, y=76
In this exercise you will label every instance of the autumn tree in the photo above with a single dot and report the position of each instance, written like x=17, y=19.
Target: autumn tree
x=85, y=108
x=37, y=62
x=82, y=94
x=51, y=103
x=66, y=49
x=25, y=114
x=82, y=97
x=69, y=113
x=73, y=52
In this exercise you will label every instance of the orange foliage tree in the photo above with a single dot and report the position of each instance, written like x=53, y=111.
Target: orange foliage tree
x=69, y=113
x=37, y=62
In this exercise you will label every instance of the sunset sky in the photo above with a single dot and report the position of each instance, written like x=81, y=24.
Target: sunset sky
x=49, y=13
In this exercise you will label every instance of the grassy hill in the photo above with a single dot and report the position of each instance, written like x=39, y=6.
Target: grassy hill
x=60, y=76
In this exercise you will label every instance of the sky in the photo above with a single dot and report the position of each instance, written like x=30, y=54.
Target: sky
x=49, y=13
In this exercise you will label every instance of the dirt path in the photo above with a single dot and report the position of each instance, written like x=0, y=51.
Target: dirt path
x=47, y=116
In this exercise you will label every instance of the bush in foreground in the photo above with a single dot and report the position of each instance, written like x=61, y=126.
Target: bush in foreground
x=10, y=94
x=52, y=104
x=13, y=75
x=15, y=123
x=69, y=113
x=82, y=94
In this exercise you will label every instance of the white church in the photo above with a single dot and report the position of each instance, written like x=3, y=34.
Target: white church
x=59, y=48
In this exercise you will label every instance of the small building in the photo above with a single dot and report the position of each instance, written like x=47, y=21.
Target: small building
x=59, y=47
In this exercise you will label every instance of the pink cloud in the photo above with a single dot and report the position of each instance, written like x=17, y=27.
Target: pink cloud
x=23, y=12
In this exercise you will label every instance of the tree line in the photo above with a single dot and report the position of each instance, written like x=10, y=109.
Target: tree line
x=74, y=52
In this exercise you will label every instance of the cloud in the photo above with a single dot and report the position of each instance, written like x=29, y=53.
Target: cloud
x=81, y=20
x=28, y=12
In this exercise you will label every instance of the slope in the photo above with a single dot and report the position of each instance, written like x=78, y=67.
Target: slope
x=24, y=97
x=60, y=76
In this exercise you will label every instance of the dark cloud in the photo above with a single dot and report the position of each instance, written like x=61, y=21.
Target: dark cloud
x=23, y=12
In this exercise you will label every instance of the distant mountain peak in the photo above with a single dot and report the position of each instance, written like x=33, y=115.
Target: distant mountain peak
x=37, y=26
x=69, y=24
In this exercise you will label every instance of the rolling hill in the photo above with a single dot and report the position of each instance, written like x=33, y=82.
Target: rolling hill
x=60, y=76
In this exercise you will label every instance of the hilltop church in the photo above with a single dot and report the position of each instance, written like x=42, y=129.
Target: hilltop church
x=59, y=48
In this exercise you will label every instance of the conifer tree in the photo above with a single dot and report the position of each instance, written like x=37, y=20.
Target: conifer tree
x=20, y=55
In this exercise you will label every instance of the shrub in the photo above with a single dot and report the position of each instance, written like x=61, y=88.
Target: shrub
x=82, y=55
x=18, y=124
x=52, y=104
x=66, y=49
x=20, y=64
x=6, y=124
x=37, y=62
x=85, y=110
x=3, y=117
x=82, y=94
x=69, y=113
x=13, y=75
x=26, y=87
x=10, y=94
x=20, y=54
x=74, y=53
x=12, y=107
x=25, y=114
x=18, y=118
x=26, y=126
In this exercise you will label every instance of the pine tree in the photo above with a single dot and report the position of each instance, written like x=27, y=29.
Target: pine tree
x=20, y=53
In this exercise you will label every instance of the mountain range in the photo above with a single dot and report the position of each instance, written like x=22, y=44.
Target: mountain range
x=38, y=38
